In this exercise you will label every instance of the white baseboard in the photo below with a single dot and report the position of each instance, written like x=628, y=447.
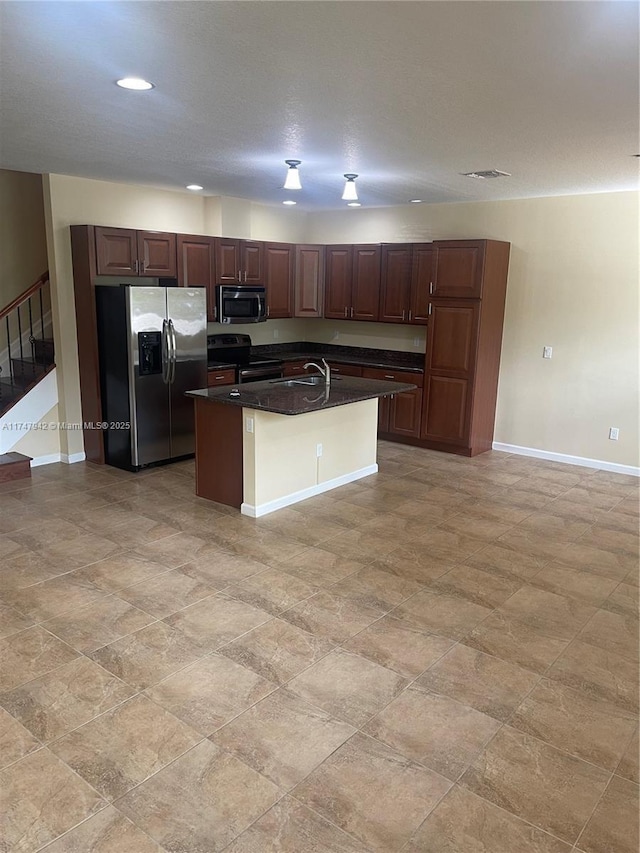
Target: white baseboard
x=584, y=461
x=303, y=494
x=50, y=458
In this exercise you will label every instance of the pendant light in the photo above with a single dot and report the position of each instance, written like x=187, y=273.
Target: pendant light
x=350, y=193
x=292, y=181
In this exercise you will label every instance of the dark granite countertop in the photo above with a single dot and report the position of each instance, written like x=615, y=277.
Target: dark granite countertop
x=220, y=365
x=297, y=399
x=362, y=356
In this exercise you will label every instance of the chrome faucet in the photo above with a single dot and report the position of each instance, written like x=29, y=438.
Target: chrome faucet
x=326, y=371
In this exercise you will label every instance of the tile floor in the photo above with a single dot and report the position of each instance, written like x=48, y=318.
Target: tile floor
x=442, y=658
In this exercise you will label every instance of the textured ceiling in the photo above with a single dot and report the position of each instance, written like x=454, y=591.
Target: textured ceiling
x=406, y=94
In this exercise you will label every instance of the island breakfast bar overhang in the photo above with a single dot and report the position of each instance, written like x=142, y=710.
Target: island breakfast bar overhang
x=279, y=443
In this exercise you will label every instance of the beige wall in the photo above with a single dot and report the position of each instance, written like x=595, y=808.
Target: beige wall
x=23, y=246
x=41, y=442
x=573, y=285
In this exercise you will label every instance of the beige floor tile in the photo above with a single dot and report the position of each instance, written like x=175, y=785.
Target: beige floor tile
x=19, y=571
x=579, y=555
x=481, y=681
x=209, y=693
x=270, y=548
x=348, y=686
x=173, y=551
x=555, y=527
x=301, y=527
x=578, y=511
x=600, y=673
x=620, y=520
x=15, y=741
x=202, y=801
x=470, y=524
x=331, y=617
x=276, y=650
x=41, y=799
x=80, y=551
x=397, y=646
x=220, y=569
x=439, y=732
x=441, y=614
x=31, y=653
x=47, y=532
x=537, y=782
x=106, y=832
x=53, y=597
x=120, y=571
x=166, y=593
x=289, y=827
x=628, y=767
x=90, y=628
x=139, y=530
x=360, y=545
x=448, y=545
x=11, y=621
x=613, y=632
x=516, y=642
x=508, y=561
x=321, y=568
x=273, y=591
x=551, y=614
x=479, y=587
x=283, y=737
x=149, y=655
x=583, y=586
x=591, y=729
x=375, y=588
x=533, y=543
x=350, y=786
x=62, y=700
x=623, y=600
x=414, y=562
x=125, y=746
x=217, y=620
x=592, y=497
x=613, y=541
x=465, y=823
x=614, y=824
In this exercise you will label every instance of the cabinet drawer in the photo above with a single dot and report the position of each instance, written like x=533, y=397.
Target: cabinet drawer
x=345, y=369
x=221, y=377
x=393, y=375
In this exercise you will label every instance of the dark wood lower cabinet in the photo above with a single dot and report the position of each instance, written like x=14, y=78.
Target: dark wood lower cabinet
x=446, y=409
x=399, y=414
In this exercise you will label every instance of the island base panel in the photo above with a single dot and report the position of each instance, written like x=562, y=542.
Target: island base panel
x=219, y=452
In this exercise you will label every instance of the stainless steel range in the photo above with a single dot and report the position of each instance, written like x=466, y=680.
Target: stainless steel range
x=223, y=350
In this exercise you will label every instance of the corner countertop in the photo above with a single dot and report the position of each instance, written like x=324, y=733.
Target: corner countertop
x=297, y=399
x=361, y=356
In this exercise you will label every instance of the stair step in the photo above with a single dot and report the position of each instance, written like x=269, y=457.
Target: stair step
x=26, y=371
x=9, y=394
x=14, y=466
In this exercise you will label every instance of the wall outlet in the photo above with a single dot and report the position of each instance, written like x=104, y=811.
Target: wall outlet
x=318, y=451
x=416, y=342
x=248, y=424
x=614, y=433
x=547, y=352
x=276, y=333
x=336, y=334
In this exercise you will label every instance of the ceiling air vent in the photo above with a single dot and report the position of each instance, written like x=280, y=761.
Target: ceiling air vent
x=487, y=173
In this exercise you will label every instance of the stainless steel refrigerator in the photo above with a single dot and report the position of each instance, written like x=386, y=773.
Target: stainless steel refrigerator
x=152, y=344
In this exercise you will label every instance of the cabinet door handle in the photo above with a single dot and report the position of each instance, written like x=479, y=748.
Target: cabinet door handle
x=346, y=311
x=409, y=314
x=245, y=276
x=429, y=312
x=135, y=265
x=389, y=376
x=218, y=377
x=403, y=313
x=352, y=313
x=430, y=288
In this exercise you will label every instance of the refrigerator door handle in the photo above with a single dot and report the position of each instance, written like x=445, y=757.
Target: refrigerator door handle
x=174, y=351
x=166, y=353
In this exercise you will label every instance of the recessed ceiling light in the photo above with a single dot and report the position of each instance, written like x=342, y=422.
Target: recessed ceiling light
x=135, y=83
x=354, y=204
x=415, y=201
x=289, y=201
x=194, y=187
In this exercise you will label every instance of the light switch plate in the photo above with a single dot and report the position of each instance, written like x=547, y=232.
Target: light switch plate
x=547, y=352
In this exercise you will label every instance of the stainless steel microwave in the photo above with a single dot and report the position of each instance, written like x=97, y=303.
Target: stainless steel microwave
x=241, y=304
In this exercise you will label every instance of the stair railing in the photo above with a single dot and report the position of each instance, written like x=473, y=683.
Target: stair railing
x=24, y=322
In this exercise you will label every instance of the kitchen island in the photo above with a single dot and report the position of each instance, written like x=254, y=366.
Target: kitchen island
x=267, y=445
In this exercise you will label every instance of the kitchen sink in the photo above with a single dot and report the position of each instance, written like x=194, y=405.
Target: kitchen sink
x=302, y=380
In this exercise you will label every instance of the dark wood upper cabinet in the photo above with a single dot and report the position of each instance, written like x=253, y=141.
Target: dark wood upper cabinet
x=116, y=251
x=395, y=283
x=423, y=275
x=122, y=251
x=157, y=254
x=278, y=261
x=365, y=287
x=308, y=286
x=338, y=276
x=227, y=266
x=459, y=270
x=252, y=262
x=239, y=261
x=196, y=266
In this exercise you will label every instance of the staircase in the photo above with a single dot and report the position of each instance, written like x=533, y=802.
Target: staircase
x=26, y=343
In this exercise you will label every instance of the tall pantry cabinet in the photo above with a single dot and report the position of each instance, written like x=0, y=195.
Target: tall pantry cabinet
x=464, y=338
